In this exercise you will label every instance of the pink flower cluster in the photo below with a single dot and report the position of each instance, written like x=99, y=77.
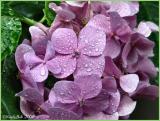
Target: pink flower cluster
x=99, y=47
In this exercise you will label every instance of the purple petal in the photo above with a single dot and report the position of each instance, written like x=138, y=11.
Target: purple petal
x=132, y=21
x=20, y=51
x=120, y=27
x=109, y=83
x=127, y=106
x=150, y=92
x=61, y=114
x=39, y=40
x=90, y=85
x=102, y=116
x=144, y=46
x=112, y=48
x=129, y=82
x=39, y=73
x=89, y=65
x=96, y=104
x=125, y=8
x=111, y=69
x=67, y=64
x=64, y=14
x=31, y=95
x=146, y=66
x=64, y=40
x=67, y=91
x=75, y=3
x=53, y=66
x=145, y=28
x=129, y=54
x=114, y=101
x=91, y=41
x=100, y=22
x=50, y=52
x=41, y=117
x=25, y=108
x=31, y=59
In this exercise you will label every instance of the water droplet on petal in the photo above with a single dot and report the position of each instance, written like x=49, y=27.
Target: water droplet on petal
x=43, y=72
x=86, y=65
x=97, y=49
x=89, y=69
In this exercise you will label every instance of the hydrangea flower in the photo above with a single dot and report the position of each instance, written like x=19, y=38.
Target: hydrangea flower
x=84, y=95
x=38, y=57
x=82, y=56
x=108, y=54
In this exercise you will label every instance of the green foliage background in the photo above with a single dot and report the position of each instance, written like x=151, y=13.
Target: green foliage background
x=14, y=28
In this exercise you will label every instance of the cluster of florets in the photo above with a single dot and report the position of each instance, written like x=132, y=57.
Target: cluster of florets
x=99, y=56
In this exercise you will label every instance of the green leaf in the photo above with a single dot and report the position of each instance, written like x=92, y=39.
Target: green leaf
x=149, y=11
x=49, y=14
x=10, y=86
x=29, y=9
x=10, y=33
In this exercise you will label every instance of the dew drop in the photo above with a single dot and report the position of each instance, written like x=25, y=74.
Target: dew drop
x=86, y=65
x=43, y=72
x=89, y=69
x=97, y=49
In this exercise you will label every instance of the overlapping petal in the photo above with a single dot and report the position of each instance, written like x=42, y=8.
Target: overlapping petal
x=64, y=40
x=90, y=85
x=67, y=92
x=91, y=41
x=129, y=82
x=89, y=66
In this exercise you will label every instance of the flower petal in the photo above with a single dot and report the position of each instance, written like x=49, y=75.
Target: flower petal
x=109, y=83
x=96, y=104
x=146, y=65
x=64, y=14
x=25, y=108
x=145, y=28
x=127, y=106
x=64, y=40
x=144, y=46
x=50, y=52
x=61, y=114
x=125, y=8
x=91, y=41
x=39, y=40
x=112, y=48
x=100, y=22
x=67, y=91
x=111, y=69
x=129, y=54
x=90, y=85
x=114, y=101
x=120, y=27
x=39, y=73
x=31, y=59
x=89, y=66
x=129, y=82
x=67, y=64
x=102, y=116
x=53, y=66
x=31, y=95
x=20, y=51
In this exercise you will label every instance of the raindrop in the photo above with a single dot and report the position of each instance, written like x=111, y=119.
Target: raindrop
x=61, y=93
x=86, y=41
x=43, y=72
x=97, y=49
x=89, y=69
x=86, y=65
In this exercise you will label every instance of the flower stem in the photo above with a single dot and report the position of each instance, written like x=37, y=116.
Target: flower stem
x=28, y=21
x=43, y=19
